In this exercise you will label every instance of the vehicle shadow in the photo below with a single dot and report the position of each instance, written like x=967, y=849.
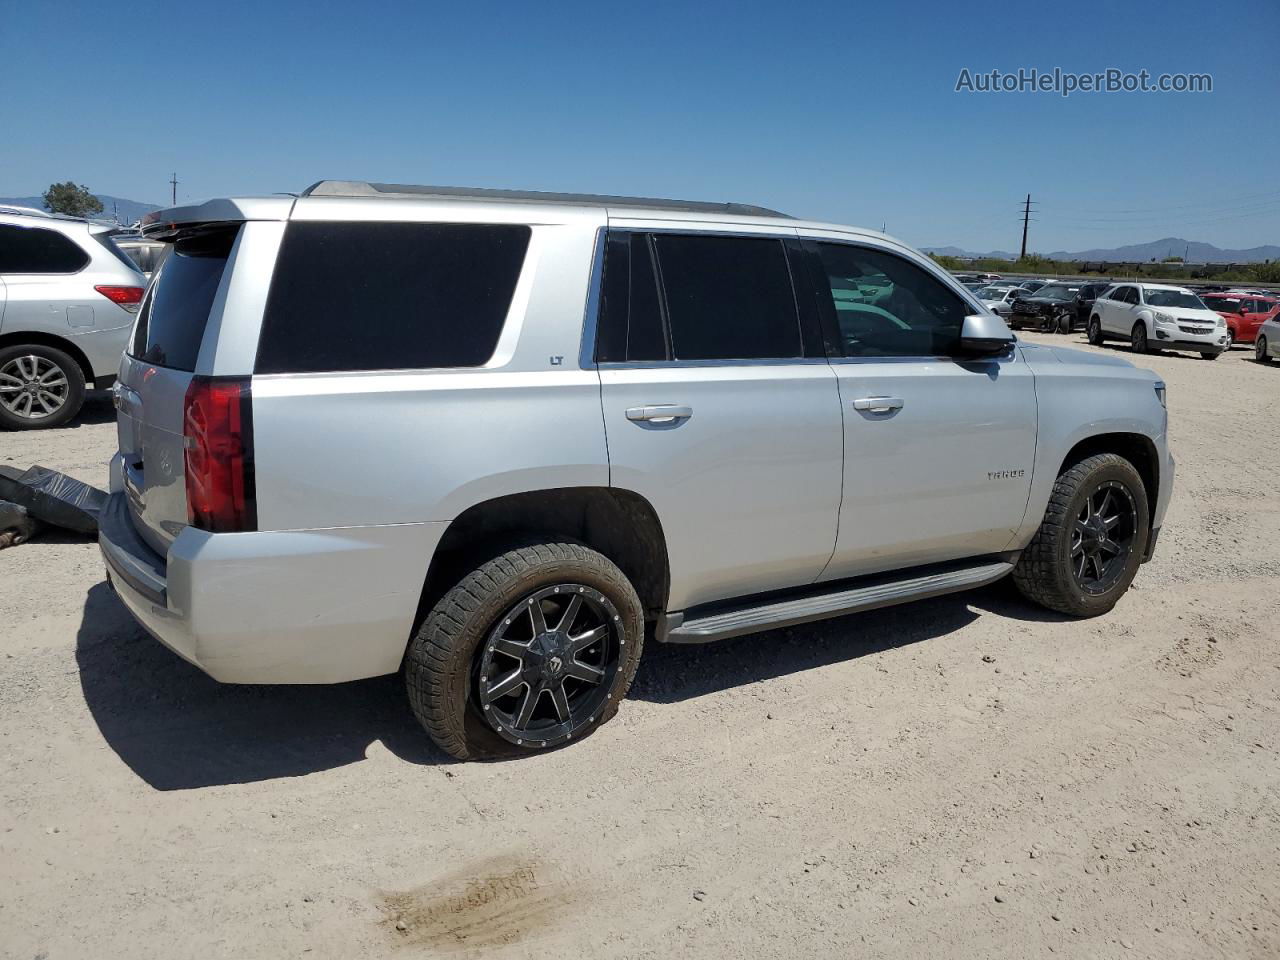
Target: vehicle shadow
x=97, y=408
x=670, y=673
x=177, y=729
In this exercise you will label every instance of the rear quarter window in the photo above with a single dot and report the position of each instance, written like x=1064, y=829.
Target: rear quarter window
x=36, y=250
x=389, y=296
x=176, y=310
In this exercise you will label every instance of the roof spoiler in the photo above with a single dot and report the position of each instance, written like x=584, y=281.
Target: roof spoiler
x=173, y=222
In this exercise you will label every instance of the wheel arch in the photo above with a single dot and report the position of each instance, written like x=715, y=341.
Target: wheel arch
x=22, y=337
x=618, y=523
x=1137, y=448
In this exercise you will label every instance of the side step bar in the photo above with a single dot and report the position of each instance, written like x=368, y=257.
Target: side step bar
x=787, y=613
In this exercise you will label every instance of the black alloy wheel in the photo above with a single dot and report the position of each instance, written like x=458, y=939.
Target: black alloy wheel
x=548, y=665
x=1103, y=539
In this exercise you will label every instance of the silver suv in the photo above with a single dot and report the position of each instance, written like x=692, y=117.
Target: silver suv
x=500, y=440
x=68, y=297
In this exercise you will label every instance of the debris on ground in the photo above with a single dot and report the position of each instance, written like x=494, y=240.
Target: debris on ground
x=53, y=498
x=16, y=524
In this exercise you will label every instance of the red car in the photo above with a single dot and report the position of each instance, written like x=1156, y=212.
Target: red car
x=1243, y=312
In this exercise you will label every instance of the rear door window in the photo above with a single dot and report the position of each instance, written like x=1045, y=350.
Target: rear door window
x=728, y=298
x=36, y=250
x=176, y=309
x=389, y=296
x=631, y=327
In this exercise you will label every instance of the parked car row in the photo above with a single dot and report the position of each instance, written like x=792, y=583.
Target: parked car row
x=1149, y=315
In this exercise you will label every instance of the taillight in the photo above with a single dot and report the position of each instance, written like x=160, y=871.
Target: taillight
x=127, y=297
x=218, y=432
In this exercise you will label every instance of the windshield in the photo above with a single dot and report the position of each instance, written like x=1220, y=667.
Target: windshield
x=1173, y=298
x=1054, y=292
x=1224, y=304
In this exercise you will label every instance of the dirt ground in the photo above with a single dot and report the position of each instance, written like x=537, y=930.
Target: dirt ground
x=968, y=776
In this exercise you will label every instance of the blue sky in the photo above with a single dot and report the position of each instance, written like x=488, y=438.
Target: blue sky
x=840, y=111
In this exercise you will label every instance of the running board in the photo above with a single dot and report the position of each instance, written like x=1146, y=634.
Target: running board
x=787, y=613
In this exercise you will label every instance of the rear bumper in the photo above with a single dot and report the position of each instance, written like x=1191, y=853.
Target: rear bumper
x=301, y=606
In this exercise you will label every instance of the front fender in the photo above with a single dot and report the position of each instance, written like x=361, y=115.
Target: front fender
x=1083, y=396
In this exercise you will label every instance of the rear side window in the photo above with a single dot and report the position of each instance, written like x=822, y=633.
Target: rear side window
x=389, y=296
x=173, y=316
x=728, y=298
x=36, y=250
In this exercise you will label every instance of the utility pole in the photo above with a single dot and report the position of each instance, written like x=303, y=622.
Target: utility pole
x=174, y=183
x=1026, y=219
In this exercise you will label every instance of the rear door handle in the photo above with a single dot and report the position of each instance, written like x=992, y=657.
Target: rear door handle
x=878, y=404
x=661, y=412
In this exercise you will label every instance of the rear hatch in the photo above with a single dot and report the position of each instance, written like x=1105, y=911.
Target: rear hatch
x=157, y=370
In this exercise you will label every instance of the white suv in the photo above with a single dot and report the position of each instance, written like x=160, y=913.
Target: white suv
x=501, y=440
x=68, y=297
x=1156, y=316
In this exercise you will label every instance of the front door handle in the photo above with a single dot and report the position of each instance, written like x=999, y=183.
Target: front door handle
x=878, y=404
x=660, y=413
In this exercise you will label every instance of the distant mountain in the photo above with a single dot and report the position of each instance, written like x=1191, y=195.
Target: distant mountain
x=128, y=211
x=1192, y=250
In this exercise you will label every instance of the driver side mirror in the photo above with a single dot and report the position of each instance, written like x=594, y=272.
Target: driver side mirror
x=983, y=335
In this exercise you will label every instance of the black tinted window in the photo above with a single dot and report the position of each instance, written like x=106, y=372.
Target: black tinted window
x=389, y=296
x=35, y=250
x=630, y=317
x=728, y=298
x=887, y=307
x=176, y=310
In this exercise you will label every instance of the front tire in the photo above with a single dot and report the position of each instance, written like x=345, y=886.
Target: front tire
x=1090, y=543
x=1210, y=356
x=1260, y=350
x=1095, y=332
x=533, y=649
x=40, y=387
x=1138, y=337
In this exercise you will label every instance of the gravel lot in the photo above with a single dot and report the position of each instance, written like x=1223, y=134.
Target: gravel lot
x=968, y=776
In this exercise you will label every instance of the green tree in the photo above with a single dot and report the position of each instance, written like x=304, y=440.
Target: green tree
x=947, y=263
x=74, y=201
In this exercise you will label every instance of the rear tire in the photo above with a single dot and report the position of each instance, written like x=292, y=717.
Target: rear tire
x=1095, y=332
x=455, y=646
x=1260, y=350
x=1138, y=337
x=33, y=377
x=1050, y=571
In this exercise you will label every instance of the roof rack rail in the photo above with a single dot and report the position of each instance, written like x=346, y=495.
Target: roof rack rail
x=360, y=188
x=13, y=208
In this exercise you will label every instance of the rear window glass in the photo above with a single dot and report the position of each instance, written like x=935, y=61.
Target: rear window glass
x=389, y=296
x=173, y=316
x=36, y=250
x=112, y=248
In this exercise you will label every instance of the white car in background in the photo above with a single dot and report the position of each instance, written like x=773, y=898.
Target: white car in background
x=999, y=300
x=1267, y=344
x=1156, y=316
